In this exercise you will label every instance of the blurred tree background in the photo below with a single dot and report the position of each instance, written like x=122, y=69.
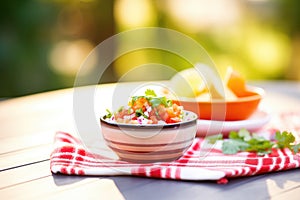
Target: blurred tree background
x=44, y=42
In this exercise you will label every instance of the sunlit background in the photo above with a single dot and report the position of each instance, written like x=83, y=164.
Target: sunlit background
x=44, y=42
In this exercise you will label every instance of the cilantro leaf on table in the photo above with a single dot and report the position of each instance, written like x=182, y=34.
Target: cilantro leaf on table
x=260, y=145
x=243, y=140
x=214, y=138
x=243, y=134
x=296, y=148
x=233, y=146
x=284, y=139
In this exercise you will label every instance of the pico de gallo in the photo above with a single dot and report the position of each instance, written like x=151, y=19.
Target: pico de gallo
x=147, y=109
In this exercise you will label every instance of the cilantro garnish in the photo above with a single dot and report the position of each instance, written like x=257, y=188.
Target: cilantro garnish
x=243, y=140
x=108, y=115
x=155, y=101
x=139, y=112
x=166, y=102
x=160, y=100
x=147, y=106
x=120, y=109
x=150, y=93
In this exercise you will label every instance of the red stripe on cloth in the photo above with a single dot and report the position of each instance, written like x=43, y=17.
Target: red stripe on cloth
x=292, y=165
x=267, y=161
x=287, y=160
x=81, y=172
x=64, y=156
x=278, y=160
x=168, y=173
x=65, y=140
x=196, y=145
x=244, y=171
x=91, y=164
x=67, y=149
x=156, y=172
x=229, y=172
x=81, y=152
x=263, y=169
x=141, y=171
x=276, y=167
x=274, y=153
x=63, y=136
x=252, y=171
x=252, y=155
x=64, y=170
x=78, y=158
x=251, y=161
x=73, y=171
x=222, y=181
x=178, y=173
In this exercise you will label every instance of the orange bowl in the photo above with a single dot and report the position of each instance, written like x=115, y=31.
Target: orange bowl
x=240, y=109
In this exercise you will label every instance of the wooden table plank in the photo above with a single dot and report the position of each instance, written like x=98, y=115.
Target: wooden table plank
x=25, y=156
x=24, y=174
x=15, y=143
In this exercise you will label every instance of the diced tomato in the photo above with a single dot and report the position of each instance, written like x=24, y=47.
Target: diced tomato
x=154, y=119
x=162, y=112
x=134, y=118
x=174, y=111
x=173, y=120
x=154, y=114
x=140, y=104
x=121, y=114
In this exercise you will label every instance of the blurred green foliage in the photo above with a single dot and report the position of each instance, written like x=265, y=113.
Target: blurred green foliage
x=25, y=40
x=30, y=29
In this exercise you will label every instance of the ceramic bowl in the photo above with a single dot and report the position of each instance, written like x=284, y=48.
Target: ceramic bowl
x=150, y=143
x=240, y=109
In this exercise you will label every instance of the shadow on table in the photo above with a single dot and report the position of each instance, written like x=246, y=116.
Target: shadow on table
x=255, y=187
x=61, y=179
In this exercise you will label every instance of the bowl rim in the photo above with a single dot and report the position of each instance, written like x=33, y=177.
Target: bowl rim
x=258, y=93
x=154, y=126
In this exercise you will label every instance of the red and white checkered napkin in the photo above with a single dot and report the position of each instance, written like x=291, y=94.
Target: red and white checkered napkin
x=70, y=157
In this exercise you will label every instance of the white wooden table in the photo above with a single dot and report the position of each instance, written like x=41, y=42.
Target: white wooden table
x=27, y=127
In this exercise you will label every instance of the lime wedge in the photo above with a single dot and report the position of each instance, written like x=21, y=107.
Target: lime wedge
x=213, y=81
x=188, y=83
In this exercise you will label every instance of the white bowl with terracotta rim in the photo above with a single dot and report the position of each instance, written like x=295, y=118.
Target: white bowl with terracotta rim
x=152, y=142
